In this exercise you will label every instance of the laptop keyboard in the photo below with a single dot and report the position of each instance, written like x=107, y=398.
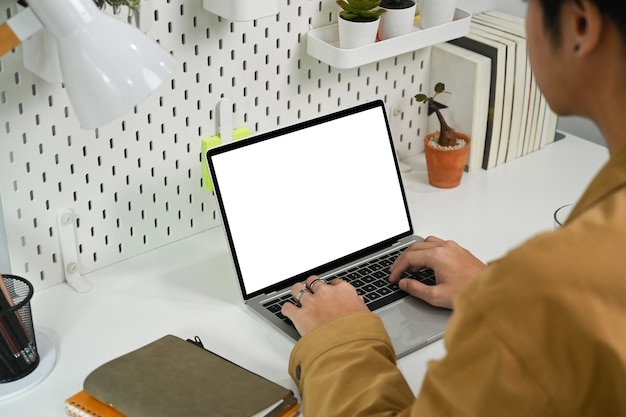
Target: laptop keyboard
x=371, y=280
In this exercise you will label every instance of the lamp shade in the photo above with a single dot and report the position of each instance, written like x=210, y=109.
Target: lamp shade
x=108, y=66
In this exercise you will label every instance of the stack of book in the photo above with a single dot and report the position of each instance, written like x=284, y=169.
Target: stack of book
x=494, y=97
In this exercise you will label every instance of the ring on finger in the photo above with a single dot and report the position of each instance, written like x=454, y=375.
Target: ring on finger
x=315, y=281
x=300, y=294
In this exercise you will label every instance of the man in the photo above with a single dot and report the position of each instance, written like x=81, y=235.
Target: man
x=542, y=331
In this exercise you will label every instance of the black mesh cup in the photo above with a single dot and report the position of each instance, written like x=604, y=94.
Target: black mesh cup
x=18, y=348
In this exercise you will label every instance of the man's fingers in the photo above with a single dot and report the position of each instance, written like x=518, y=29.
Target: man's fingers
x=414, y=288
x=408, y=259
x=314, y=282
x=414, y=257
x=432, y=294
x=289, y=309
x=299, y=291
x=433, y=239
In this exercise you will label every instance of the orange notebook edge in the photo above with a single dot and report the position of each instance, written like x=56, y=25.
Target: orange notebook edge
x=82, y=404
x=293, y=411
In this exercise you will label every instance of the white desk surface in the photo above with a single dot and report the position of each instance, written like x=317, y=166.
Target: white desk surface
x=188, y=288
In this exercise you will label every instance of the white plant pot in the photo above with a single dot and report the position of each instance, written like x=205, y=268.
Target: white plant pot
x=436, y=12
x=396, y=22
x=356, y=34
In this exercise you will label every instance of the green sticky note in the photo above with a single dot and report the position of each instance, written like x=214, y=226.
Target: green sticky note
x=208, y=143
x=241, y=132
x=213, y=141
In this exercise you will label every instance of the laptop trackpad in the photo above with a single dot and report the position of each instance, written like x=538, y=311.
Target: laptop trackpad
x=413, y=323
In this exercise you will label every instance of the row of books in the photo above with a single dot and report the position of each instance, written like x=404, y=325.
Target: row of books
x=493, y=94
x=175, y=377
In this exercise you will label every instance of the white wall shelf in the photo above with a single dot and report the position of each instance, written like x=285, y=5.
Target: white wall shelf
x=323, y=43
x=242, y=10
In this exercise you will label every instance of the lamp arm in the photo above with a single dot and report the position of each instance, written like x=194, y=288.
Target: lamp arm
x=17, y=29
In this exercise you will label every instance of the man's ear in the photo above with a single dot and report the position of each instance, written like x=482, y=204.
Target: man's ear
x=586, y=26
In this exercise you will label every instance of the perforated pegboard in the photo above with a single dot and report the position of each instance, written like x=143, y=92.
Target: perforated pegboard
x=135, y=184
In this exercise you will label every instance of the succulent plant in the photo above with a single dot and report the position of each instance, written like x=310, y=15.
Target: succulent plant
x=360, y=10
x=133, y=5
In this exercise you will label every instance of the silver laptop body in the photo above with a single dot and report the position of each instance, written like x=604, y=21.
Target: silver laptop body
x=318, y=197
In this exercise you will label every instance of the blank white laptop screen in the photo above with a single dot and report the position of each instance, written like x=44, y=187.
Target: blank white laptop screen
x=307, y=197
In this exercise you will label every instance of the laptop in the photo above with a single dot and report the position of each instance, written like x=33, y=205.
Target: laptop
x=322, y=197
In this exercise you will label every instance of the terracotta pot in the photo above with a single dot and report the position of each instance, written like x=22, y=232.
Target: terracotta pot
x=445, y=166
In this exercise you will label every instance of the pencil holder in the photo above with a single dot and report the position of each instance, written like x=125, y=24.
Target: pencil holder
x=18, y=348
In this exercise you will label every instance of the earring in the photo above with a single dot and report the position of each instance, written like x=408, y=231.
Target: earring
x=577, y=47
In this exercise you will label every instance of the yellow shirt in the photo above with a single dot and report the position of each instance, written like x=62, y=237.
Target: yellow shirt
x=541, y=333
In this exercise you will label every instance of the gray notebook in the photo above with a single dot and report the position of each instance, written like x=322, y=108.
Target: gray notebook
x=320, y=197
x=173, y=377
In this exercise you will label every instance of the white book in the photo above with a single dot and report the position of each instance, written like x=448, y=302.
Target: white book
x=467, y=77
x=549, y=127
x=519, y=21
x=529, y=144
x=497, y=53
x=529, y=110
x=523, y=78
x=509, y=86
x=539, y=129
x=517, y=26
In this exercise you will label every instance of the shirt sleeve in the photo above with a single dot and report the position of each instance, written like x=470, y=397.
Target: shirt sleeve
x=347, y=367
x=481, y=374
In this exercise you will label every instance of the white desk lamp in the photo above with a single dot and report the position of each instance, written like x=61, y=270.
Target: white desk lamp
x=108, y=66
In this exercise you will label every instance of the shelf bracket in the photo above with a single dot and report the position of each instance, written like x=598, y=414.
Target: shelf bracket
x=225, y=120
x=66, y=222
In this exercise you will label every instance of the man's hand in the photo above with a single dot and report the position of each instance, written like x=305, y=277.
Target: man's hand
x=324, y=303
x=454, y=267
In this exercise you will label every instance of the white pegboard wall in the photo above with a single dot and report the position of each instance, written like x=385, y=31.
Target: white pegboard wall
x=135, y=184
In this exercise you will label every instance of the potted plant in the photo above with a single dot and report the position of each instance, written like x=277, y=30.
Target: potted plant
x=139, y=11
x=446, y=150
x=133, y=5
x=358, y=22
x=398, y=19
